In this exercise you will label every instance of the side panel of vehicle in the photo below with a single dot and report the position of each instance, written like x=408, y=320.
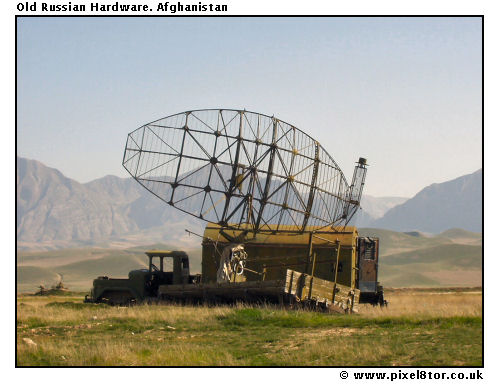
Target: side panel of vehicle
x=119, y=290
x=367, y=254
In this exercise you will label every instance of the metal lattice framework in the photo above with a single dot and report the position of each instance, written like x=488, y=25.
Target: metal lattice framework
x=238, y=168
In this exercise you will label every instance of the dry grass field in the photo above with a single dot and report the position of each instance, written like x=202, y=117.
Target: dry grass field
x=433, y=328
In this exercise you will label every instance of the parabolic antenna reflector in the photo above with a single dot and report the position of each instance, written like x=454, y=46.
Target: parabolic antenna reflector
x=242, y=169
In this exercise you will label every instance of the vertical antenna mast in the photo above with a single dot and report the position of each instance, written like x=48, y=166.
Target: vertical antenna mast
x=356, y=189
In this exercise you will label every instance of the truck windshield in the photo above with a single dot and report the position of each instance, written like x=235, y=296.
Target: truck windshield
x=168, y=264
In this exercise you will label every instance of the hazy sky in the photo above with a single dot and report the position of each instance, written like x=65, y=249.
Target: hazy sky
x=403, y=92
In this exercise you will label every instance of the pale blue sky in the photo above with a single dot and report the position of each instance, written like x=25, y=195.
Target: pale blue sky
x=403, y=92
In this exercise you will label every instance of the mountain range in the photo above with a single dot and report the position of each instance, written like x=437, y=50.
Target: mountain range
x=54, y=211
x=457, y=203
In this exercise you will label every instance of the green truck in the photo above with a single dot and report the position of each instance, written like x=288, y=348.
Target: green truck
x=143, y=284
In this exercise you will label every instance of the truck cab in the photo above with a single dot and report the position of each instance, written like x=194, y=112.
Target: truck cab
x=159, y=274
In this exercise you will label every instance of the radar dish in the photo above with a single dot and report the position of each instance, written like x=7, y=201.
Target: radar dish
x=242, y=169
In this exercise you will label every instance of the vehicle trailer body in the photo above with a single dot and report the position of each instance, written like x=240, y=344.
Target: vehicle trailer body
x=334, y=254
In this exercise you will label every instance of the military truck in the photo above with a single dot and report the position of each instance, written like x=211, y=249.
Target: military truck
x=143, y=284
x=331, y=268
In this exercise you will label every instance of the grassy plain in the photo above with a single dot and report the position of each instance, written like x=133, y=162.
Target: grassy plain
x=419, y=327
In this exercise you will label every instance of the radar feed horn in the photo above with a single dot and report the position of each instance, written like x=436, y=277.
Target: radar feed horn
x=356, y=188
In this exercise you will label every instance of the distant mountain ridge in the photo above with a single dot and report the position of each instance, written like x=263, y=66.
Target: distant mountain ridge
x=456, y=203
x=373, y=208
x=54, y=211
